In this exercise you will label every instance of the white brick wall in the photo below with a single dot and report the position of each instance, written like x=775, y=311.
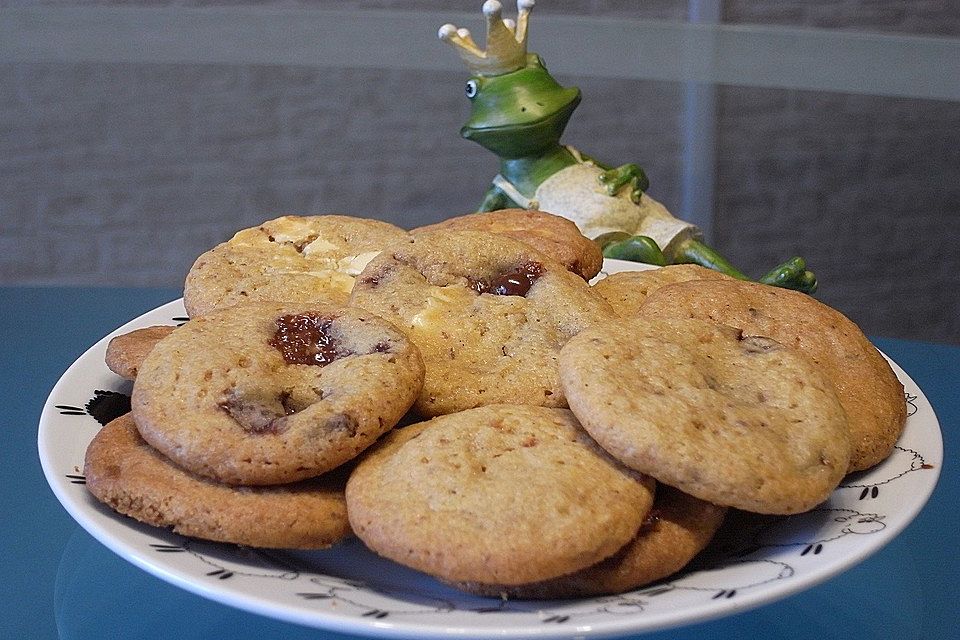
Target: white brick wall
x=173, y=159
x=867, y=187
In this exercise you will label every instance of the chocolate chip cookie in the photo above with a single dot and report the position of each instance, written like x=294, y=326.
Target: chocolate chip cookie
x=733, y=419
x=267, y=393
x=555, y=236
x=126, y=352
x=869, y=390
x=488, y=313
x=290, y=259
x=626, y=291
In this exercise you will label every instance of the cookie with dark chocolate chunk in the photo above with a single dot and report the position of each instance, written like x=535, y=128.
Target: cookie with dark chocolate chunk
x=488, y=313
x=269, y=392
x=550, y=234
x=733, y=419
x=869, y=391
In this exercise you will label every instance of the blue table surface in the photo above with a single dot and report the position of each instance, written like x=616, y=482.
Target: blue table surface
x=57, y=581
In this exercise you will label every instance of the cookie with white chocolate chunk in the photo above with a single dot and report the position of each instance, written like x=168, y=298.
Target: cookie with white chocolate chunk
x=488, y=313
x=291, y=258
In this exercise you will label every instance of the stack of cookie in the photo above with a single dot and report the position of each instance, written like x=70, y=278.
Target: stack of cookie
x=561, y=439
x=244, y=420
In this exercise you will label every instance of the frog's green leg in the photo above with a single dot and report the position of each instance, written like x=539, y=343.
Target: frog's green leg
x=792, y=274
x=495, y=199
x=692, y=251
x=626, y=174
x=635, y=249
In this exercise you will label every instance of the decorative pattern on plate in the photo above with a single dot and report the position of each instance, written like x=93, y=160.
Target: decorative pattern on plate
x=753, y=560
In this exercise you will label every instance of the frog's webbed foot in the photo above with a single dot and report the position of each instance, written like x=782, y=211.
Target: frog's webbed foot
x=792, y=274
x=630, y=175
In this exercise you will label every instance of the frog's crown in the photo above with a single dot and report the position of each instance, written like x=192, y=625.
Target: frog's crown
x=506, y=40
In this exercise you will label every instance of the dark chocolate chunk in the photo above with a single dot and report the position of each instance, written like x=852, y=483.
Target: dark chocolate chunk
x=253, y=415
x=305, y=339
x=512, y=283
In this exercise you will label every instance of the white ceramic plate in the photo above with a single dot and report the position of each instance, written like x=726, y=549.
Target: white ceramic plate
x=348, y=589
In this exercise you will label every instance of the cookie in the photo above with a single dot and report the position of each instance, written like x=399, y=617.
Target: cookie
x=869, y=390
x=501, y=494
x=677, y=528
x=269, y=392
x=733, y=419
x=488, y=313
x=131, y=477
x=557, y=237
x=290, y=259
x=125, y=353
x=628, y=290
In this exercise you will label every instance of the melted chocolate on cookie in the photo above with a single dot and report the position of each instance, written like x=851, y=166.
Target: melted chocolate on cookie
x=512, y=283
x=305, y=339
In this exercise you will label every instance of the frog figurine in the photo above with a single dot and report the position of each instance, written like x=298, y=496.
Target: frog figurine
x=519, y=112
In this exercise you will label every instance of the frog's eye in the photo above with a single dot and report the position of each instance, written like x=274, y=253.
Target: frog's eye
x=471, y=89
